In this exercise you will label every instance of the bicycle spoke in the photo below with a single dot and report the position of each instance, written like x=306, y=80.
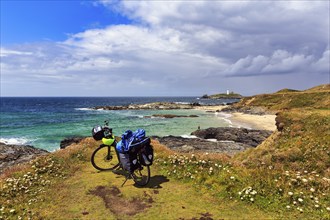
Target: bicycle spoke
x=102, y=159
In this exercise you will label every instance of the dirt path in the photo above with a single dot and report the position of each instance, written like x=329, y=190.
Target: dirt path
x=90, y=194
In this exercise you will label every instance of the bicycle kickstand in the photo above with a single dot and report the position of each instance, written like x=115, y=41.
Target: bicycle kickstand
x=127, y=177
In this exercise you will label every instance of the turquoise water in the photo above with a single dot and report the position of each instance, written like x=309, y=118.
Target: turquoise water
x=44, y=122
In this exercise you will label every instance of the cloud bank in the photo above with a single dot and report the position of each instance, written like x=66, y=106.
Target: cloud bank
x=180, y=48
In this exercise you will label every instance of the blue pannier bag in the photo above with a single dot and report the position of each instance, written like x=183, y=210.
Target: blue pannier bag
x=130, y=140
x=131, y=143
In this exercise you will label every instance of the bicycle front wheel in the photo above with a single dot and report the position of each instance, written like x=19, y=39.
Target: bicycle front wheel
x=103, y=159
x=141, y=176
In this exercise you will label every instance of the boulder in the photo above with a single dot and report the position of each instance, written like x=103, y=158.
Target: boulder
x=249, y=137
x=217, y=140
x=15, y=154
x=187, y=145
x=71, y=140
x=171, y=116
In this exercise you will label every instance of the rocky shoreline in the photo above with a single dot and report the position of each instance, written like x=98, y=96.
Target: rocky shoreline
x=217, y=140
x=11, y=155
x=150, y=106
x=213, y=140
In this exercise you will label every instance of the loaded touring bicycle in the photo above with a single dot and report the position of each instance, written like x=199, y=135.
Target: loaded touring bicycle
x=133, y=153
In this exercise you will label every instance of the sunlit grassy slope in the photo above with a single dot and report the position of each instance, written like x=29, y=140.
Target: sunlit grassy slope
x=314, y=98
x=286, y=177
x=64, y=185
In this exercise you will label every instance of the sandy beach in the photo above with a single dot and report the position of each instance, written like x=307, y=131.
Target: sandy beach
x=262, y=122
x=212, y=108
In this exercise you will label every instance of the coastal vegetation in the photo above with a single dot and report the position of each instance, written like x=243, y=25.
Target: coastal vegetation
x=230, y=95
x=286, y=176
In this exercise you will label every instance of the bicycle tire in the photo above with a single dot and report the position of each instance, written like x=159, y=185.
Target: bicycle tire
x=141, y=176
x=103, y=159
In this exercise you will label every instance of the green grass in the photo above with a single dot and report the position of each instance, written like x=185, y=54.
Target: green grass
x=71, y=181
x=224, y=95
x=315, y=98
x=286, y=177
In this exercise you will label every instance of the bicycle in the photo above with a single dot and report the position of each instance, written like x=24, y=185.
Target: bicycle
x=104, y=159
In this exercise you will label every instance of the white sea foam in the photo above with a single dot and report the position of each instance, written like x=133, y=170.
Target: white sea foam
x=212, y=140
x=15, y=141
x=188, y=136
x=84, y=109
x=182, y=103
x=224, y=116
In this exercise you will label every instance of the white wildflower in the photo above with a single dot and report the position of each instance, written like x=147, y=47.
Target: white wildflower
x=328, y=208
x=253, y=192
x=300, y=200
x=312, y=190
x=288, y=207
x=12, y=210
x=290, y=193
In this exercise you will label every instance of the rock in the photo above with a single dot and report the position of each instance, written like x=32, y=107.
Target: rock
x=16, y=154
x=171, y=116
x=217, y=140
x=201, y=145
x=150, y=106
x=196, y=104
x=249, y=137
x=279, y=122
x=71, y=140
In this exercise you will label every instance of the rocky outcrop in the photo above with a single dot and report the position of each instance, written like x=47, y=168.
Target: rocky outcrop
x=149, y=106
x=201, y=145
x=71, y=140
x=15, y=154
x=217, y=140
x=279, y=121
x=249, y=137
x=170, y=116
x=247, y=110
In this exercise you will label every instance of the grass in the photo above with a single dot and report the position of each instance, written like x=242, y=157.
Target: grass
x=70, y=188
x=287, y=176
x=315, y=98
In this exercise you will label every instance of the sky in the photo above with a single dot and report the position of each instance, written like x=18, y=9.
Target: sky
x=162, y=48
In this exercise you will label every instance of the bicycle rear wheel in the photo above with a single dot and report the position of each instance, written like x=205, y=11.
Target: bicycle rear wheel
x=103, y=159
x=141, y=176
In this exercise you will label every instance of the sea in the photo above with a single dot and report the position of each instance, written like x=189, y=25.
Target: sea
x=44, y=121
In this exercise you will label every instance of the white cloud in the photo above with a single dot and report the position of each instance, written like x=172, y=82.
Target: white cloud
x=5, y=52
x=175, y=46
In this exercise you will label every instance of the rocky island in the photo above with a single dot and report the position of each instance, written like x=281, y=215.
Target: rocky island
x=150, y=106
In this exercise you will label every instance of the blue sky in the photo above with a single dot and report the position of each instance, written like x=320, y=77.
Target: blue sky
x=162, y=48
x=31, y=21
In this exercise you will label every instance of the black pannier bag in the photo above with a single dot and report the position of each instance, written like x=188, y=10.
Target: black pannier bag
x=146, y=156
x=136, y=146
x=129, y=161
x=144, y=150
x=98, y=133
